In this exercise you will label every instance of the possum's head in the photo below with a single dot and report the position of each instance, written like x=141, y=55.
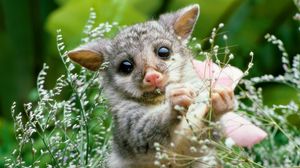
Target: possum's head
x=144, y=57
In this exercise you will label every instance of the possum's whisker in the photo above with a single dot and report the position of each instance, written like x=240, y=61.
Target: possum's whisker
x=167, y=68
x=174, y=68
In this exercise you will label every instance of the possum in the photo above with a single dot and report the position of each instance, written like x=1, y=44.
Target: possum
x=153, y=91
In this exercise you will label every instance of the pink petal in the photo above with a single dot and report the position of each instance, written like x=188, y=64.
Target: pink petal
x=206, y=69
x=242, y=131
x=224, y=81
x=228, y=76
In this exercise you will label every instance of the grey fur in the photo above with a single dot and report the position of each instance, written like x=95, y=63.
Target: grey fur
x=143, y=118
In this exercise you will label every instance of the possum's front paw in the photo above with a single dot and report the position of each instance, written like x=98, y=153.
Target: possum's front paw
x=222, y=100
x=181, y=96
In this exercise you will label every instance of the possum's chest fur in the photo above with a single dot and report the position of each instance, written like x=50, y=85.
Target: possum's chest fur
x=191, y=129
x=181, y=136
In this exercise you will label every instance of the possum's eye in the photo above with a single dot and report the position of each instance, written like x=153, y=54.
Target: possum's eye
x=164, y=53
x=126, y=67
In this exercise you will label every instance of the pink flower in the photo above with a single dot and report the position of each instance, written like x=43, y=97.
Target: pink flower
x=239, y=129
x=228, y=76
x=242, y=131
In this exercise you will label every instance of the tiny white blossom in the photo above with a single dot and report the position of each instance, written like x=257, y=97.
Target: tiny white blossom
x=251, y=54
x=229, y=142
x=172, y=144
x=221, y=25
x=156, y=163
x=198, y=46
x=193, y=149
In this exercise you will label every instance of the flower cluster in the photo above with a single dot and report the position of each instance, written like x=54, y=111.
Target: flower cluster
x=68, y=126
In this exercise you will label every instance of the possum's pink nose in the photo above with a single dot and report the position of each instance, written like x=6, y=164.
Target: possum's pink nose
x=153, y=78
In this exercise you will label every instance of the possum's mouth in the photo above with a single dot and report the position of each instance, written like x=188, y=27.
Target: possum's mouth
x=156, y=96
x=155, y=91
x=158, y=90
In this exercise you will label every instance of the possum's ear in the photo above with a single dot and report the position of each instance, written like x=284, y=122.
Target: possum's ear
x=183, y=21
x=90, y=55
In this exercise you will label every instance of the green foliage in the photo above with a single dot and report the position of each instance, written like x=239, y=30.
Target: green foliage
x=72, y=17
x=69, y=131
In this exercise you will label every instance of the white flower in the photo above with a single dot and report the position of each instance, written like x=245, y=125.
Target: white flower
x=198, y=46
x=229, y=142
x=221, y=25
x=251, y=54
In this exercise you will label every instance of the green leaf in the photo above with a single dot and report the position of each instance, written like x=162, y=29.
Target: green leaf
x=73, y=15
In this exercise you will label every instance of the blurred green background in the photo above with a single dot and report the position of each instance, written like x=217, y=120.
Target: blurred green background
x=28, y=39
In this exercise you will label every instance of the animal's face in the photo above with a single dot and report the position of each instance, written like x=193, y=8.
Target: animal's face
x=144, y=57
